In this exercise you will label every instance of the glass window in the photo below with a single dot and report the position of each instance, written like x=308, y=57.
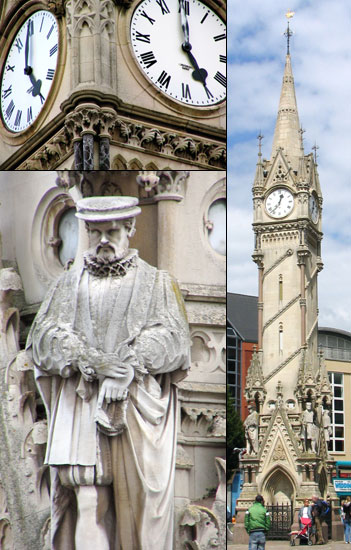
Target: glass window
x=338, y=434
x=68, y=233
x=217, y=226
x=234, y=365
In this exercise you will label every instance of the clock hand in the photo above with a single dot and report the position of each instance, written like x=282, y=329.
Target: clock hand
x=36, y=87
x=27, y=68
x=198, y=74
x=280, y=200
x=184, y=20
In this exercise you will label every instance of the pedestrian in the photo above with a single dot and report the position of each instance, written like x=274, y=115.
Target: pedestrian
x=257, y=524
x=319, y=510
x=305, y=516
x=346, y=508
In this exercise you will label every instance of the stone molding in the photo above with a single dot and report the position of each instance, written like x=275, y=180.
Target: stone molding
x=88, y=118
x=203, y=422
x=282, y=365
x=286, y=254
x=280, y=312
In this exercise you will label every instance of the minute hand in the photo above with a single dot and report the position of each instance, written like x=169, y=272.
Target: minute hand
x=198, y=74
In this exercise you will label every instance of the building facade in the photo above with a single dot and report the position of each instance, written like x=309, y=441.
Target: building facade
x=89, y=85
x=181, y=230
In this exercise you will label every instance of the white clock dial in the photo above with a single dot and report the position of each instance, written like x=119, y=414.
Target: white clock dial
x=279, y=203
x=180, y=46
x=314, y=209
x=29, y=70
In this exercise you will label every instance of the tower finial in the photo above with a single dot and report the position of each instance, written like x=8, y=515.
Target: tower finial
x=289, y=14
x=315, y=148
x=260, y=138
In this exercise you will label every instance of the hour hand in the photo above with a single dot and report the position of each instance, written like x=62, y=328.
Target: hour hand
x=198, y=74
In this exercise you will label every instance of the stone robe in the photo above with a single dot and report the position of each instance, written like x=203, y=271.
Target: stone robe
x=143, y=312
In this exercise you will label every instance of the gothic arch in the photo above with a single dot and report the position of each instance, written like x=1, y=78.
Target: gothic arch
x=279, y=486
x=323, y=483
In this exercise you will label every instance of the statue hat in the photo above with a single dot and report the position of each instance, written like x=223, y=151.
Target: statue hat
x=103, y=209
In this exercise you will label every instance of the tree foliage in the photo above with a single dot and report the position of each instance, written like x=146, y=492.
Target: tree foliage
x=235, y=434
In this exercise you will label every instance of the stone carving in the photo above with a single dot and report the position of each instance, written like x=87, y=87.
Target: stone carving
x=104, y=122
x=108, y=343
x=254, y=380
x=309, y=430
x=327, y=426
x=208, y=526
x=202, y=421
x=9, y=317
x=148, y=179
x=251, y=431
x=21, y=389
x=279, y=452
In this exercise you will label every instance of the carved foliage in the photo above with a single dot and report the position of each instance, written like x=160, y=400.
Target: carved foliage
x=203, y=422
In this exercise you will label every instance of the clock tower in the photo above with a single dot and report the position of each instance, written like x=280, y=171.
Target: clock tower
x=118, y=84
x=287, y=385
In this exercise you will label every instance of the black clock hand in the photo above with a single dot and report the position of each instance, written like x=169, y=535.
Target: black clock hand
x=27, y=68
x=280, y=200
x=199, y=74
x=36, y=86
x=184, y=20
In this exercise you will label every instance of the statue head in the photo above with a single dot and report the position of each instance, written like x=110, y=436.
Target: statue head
x=308, y=406
x=110, y=223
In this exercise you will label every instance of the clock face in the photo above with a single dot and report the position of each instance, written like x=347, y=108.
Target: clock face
x=180, y=45
x=29, y=71
x=279, y=203
x=314, y=209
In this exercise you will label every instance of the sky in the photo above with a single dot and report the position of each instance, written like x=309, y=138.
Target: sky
x=321, y=61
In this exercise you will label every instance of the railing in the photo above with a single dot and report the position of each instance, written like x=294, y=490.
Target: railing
x=282, y=518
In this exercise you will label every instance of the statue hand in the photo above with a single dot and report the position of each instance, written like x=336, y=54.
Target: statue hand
x=111, y=390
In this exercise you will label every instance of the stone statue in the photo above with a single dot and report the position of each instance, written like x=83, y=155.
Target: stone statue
x=109, y=344
x=251, y=431
x=327, y=426
x=309, y=430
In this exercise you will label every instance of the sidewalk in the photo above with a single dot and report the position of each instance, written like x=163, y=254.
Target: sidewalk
x=284, y=544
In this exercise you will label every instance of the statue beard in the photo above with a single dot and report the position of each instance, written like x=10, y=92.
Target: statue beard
x=109, y=260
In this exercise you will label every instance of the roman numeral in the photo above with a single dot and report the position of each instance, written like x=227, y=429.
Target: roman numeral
x=208, y=93
x=6, y=93
x=204, y=17
x=29, y=114
x=223, y=58
x=50, y=74
x=50, y=31
x=163, y=6
x=41, y=24
x=148, y=59
x=219, y=37
x=19, y=44
x=42, y=98
x=144, y=14
x=186, y=91
x=164, y=79
x=18, y=118
x=10, y=68
x=220, y=78
x=31, y=27
x=10, y=109
x=53, y=50
x=143, y=37
x=186, y=6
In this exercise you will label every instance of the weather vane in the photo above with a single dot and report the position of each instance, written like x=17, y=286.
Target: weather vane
x=260, y=138
x=289, y=14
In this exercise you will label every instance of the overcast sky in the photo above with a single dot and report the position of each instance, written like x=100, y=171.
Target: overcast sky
x=321, y=61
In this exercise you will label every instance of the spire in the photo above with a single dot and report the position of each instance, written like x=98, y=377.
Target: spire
x=286, y=134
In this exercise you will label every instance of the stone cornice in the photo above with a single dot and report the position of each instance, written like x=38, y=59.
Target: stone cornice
x=192, y=143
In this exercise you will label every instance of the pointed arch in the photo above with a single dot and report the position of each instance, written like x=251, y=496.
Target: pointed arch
x=279, y=486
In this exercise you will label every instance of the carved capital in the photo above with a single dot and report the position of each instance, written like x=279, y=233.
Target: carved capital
x=147, y=179
x=171, y=185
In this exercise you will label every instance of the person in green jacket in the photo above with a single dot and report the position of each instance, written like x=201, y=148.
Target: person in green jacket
x=257, y=524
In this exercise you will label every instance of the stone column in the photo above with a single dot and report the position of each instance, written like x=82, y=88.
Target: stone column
x=170, y=190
